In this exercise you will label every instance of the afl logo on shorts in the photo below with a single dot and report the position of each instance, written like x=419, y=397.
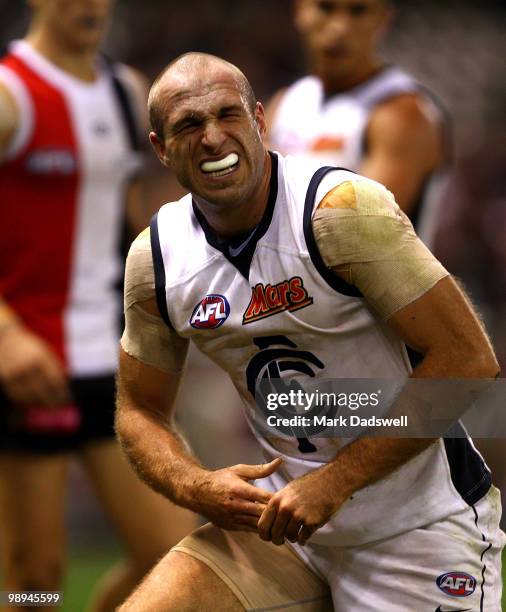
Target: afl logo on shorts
x=211, y=312
x=456, y=584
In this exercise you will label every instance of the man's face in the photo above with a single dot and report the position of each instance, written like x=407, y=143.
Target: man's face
x=79, y=24
x=340, y=34
x=212, y=140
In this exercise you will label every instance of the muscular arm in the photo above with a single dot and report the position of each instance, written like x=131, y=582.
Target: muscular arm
x=438, y=321
x=145, y=427
x=404, y=144
x=151, y=363
x=444, y=327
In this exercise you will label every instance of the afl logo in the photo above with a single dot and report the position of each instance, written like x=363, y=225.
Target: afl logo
x=211, y=312
x=457, y=584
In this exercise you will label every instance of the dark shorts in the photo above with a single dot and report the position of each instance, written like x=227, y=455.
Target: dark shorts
x=89, y=417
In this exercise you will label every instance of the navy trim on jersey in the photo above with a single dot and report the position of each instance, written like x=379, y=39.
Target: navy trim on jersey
x=484, y=568
x=415, y=358
x=242, y=261
x=126, y=111
x=338, y=284
x=469, y=473
x=156, y=253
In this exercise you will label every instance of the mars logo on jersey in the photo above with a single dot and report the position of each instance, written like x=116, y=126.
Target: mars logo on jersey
x=456, y=584
x=211, y=312
x=328, y=143
x=268, y=300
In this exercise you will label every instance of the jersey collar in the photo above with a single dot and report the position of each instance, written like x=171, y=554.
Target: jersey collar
x=242, y=261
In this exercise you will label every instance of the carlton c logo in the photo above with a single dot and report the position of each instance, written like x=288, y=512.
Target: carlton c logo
x=268, y=372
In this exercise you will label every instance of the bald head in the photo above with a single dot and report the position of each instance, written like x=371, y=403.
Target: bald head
x=187, y=73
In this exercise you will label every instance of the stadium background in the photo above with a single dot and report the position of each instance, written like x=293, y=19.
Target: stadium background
x=457, y=48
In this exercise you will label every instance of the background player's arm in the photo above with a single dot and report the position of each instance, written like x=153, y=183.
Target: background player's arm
x=438, y=320
x=151, y=362
x=404, y=144
x=29, y=370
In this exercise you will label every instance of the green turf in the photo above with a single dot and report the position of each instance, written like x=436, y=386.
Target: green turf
x=87, y=567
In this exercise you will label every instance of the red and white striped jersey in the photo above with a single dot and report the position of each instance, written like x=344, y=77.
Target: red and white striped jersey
x=62, y=184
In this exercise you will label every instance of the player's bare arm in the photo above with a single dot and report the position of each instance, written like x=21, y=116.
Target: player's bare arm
x=149, y=375
x=430, y=313
x=404, y=145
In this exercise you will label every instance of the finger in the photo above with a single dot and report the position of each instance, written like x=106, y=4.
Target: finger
x=239, y=527
x=30, y=386
x=265, y=523
x=49, y=396
x=279, y=526
x=304, y=534
x=19, y=393
x=254, y=494
x=55, y=381
x=247, y=507
x=251, y=472
x=293, y=528
x=247, y=520
x=27, y=388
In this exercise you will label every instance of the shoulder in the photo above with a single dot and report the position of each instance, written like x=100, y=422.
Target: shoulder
x=406, y=114
x=336, y=191
x=358, y=196
x=139, y=254
x=139, y=272
x=303, y=88
x=142, y=241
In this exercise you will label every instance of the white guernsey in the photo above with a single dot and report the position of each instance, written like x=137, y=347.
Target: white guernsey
x=288, y=311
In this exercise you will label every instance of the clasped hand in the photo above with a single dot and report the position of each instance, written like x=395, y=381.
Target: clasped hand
x=295, y=512
x=300, y=508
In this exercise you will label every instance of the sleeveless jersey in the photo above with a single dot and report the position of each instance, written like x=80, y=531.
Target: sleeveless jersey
x=62, y=185
x=332, y=130
x=274, y=310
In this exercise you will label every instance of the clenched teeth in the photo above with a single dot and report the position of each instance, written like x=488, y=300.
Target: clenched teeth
x=220, y=166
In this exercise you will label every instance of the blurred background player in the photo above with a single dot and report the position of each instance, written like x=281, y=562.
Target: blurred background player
x=69, y=146
x=357, y=112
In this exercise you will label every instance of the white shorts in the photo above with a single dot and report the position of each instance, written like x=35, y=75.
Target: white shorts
x=446, y=566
